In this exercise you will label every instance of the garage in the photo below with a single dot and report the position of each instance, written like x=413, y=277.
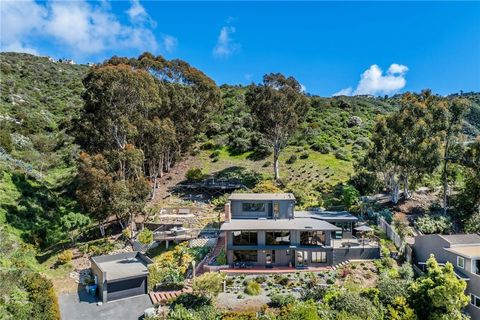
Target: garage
x=121, y=275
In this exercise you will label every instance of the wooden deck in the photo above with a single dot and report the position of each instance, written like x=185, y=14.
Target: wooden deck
x=263, y=270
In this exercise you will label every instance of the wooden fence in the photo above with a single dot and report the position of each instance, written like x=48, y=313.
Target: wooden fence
x=402, y=246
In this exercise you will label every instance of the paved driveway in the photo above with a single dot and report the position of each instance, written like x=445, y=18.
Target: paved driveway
x=81, y=306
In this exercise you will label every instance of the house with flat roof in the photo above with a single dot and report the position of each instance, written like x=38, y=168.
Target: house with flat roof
x=121, y=275
x=264, y=230
x=463, y=252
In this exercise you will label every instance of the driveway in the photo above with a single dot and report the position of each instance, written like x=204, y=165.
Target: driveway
x=81, y=306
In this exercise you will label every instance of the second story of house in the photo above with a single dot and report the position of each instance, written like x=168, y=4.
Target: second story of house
x=461, y=250
x=261, y=205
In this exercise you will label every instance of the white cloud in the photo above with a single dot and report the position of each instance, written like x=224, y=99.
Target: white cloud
x=82, y=27
x=375, y=82
x=344, y=92
x=19, y=19
x=169, y=43
x=225, y=44
x=303, y=88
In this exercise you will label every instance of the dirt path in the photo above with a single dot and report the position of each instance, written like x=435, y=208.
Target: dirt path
x=171, y=179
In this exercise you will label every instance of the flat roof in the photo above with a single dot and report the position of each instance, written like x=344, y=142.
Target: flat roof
x=123, y=265
x=261, y=196
x=459, y=239
x=466, y=251
x=327, y=215
x=278, y=224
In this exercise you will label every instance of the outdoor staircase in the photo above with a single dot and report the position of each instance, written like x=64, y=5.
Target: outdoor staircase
x=341, y=264
x=161, y=297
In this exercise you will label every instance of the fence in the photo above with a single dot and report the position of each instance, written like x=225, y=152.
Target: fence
x=391, y=234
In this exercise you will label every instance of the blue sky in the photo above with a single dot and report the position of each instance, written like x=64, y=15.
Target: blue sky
x=330, y=47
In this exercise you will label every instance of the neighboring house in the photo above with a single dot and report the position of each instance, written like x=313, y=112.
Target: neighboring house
x=463, y=252
x=121, y=275
x=264, y=230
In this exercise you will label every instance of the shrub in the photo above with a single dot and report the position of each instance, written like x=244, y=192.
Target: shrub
x=281, y=279
x=127, y=233
x=292, y=159
x=194, y=174
x=65, y=257
x=267, y=164
x=280, y=300
x=406, y=271
x=221, y=258
x=434, y=224
x=41, y=296
x=215, y=154
x=390, y=288
x=209, y=284
x=145, y=236
x=253, y=288
x=304, y=155
x=322, y=147
x=191, y=301
x=266, y=186
x=316, y=293
x=260, y=279
x=342, y=155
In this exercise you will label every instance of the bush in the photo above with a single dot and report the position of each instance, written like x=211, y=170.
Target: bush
x=267, y=164
x=221, y=258
x=281, y=300
x=434, y=224
x=322, y=147
x=260, y=279
x=342, y=155
x=41, y=296
x=292, y=159
x=316, y=293
x=406, y=271
x=215, y=154
x=145, y=236
x=65, y=257
x=127, y=233
x=390, y=288
x=253, y=288
x=194, y=174
x=281, y=279
x=191, y=301
x=209, y=284
x=304, y=155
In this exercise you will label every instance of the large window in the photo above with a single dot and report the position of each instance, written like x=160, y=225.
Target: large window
x=245, y=238
x=276, y=238
x=245, y=256
x=474, y=300
x=476, y=266
x=253, y=206
x=312, y=238
x=346, y=226
x=319, y=257
x=460, y=262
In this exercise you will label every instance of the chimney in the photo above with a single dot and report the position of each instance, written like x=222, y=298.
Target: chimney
x=228, y=213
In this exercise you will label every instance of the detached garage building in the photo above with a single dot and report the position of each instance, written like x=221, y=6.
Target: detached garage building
x=121, y=275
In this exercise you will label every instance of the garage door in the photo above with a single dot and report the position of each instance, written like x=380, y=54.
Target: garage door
x=126, y=288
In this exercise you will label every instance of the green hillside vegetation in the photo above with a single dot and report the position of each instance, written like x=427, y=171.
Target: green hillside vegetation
x=55, y=137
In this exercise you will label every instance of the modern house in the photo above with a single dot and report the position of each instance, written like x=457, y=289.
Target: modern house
x=463, y=252
x=121, y=275
x=265, y=230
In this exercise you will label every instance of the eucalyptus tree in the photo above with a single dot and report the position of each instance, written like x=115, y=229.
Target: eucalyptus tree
x=278, y=104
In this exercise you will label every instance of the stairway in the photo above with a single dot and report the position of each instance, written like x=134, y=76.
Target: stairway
x=161, y=297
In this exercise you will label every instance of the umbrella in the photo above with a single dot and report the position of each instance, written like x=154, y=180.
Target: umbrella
x=364, y=229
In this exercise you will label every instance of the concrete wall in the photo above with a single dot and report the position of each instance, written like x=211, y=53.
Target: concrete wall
x=358, y=253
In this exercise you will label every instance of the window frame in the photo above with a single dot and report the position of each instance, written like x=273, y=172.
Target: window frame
x=249, y=238
x=463, y=262
x=474, y=298
x=253, y=204
x=279, y=233
x=319, y=257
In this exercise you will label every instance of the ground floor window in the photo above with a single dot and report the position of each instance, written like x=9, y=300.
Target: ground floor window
x=245, y=256
x=474, y=300
x=319, y=257
x=302, y=258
